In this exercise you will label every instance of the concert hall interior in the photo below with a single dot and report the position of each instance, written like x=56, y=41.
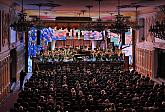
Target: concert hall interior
x=82, y=55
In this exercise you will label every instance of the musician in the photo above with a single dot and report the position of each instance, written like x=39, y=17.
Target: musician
x=61, y=55
x=91, y=56
x=103, y=56
x=107, y=55
x=121, y=56
x=114, y=56
x=98, y=57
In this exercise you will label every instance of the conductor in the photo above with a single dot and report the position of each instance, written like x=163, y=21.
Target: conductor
x=22, y=76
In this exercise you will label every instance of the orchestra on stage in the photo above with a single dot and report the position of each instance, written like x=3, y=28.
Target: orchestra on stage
x=80, y=54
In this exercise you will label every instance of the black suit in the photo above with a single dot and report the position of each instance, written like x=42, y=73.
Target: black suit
x=22, y=76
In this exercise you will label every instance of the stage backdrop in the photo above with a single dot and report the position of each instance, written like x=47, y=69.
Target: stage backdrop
x=73, y=43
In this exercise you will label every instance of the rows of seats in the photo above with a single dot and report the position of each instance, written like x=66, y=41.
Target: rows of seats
x=89, y=87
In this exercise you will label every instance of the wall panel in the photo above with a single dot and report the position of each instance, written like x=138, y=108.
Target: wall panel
x=4, y=78
x=144, y=61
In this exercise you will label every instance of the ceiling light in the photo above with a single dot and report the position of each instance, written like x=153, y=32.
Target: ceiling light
x=22, y=25
x=121, y=23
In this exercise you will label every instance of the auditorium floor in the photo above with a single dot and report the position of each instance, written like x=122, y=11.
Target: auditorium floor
x=9, y=101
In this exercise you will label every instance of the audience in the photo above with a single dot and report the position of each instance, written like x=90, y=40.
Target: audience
x=90, y=87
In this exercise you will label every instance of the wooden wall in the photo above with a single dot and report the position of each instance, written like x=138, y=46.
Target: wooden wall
x=4, y=52
x=4, y=77
x=144, y=61
x=144, y=50
x=5, y=48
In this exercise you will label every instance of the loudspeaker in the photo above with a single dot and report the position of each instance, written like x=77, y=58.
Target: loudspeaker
x=38, y=37
x=123, y=39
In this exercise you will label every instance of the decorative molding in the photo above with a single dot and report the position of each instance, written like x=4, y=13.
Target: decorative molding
x=4, y=54
x=159, y=45
x=5, y=28
x=146, y=15
x=159, y=40
x=145, y=45
x=4, y=61
x=148, y=22
x=4, y=7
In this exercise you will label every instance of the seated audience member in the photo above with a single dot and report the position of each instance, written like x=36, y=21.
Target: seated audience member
x=90, y=87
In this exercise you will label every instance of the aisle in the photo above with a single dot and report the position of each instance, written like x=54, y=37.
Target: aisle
x=8, y=102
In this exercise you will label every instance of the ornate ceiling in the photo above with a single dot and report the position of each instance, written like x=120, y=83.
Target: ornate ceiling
x=72, y=8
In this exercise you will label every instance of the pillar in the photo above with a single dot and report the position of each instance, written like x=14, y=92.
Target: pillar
x=26, y=52
x=53, y=45
x=93, y=44
x=133, y=49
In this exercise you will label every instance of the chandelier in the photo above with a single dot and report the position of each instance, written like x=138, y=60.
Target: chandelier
x=158, y=29
x=94, y=25
x=99, y=26
x=22, y=25
x=121, y=23
x=38, y=22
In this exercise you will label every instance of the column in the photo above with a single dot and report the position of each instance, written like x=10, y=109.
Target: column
x=93, y=44
x=53, y=45
x=26, y=52
x=133, y=49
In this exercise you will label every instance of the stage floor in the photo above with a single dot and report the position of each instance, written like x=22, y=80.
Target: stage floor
x=81, y=59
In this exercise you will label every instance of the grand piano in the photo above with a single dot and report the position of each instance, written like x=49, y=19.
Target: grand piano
x=81, y=53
